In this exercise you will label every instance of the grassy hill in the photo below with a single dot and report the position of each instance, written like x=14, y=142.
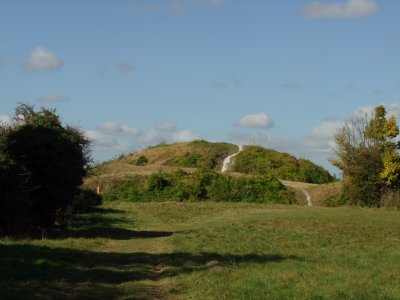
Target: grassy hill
x=196, y=154
x=188, y=171
x=260, y=161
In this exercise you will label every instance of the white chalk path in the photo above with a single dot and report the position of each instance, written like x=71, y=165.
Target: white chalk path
x=308, y=197
x=228, y=160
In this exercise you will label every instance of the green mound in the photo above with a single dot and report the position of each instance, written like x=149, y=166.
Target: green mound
x=197, y=154
x=260, y=161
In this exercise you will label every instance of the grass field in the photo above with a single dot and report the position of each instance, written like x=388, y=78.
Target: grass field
x=209, y=250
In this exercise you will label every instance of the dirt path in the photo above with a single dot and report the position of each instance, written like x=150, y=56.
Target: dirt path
x=301, y=186
x=228, y=160
x=308, y=197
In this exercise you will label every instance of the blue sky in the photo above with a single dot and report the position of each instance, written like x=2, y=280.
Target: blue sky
x=134, y=73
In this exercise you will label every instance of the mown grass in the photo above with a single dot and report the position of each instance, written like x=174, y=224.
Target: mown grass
x=209, y=250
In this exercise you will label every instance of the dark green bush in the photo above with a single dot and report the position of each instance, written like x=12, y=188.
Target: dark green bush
x=42, y=166
x=141, y=161
x=85, y=201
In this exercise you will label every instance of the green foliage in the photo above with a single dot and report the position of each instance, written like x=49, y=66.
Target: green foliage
x=261, y=161
x=44, y=163
x=199, y=186
x=189, y=160
x=203, y=155
x=367, y=155
x=141, y=161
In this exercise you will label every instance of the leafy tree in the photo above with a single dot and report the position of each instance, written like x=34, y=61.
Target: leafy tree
x=367, y=154
x=46, y=161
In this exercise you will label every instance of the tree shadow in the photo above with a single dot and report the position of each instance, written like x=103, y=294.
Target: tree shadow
x=106, y=232
x=37, y=270
x=102, y=223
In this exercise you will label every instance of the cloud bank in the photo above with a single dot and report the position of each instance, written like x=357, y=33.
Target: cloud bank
x=341, y=10
x=115, y=137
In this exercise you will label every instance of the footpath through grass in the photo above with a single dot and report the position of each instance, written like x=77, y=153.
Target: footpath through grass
x=209, y=251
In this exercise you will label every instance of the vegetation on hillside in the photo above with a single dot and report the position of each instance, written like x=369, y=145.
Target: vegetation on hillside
x=368, y=154
x=200, y=186
x=261, y=161
x=42, y=164
x=197, y=154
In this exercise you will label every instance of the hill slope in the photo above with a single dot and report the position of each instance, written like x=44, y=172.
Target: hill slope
x=253, y=160
x=196, y=154
x=167, y=158
x=260, y=161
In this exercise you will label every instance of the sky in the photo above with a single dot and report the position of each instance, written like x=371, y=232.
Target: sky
x=134, y=73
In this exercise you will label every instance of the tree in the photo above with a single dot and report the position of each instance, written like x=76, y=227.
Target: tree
x=44, y=163
x=368, y=156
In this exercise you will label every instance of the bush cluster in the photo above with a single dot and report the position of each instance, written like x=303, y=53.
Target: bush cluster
x=200, y=186
x=261, y=161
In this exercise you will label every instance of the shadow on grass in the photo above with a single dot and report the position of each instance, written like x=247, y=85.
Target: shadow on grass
x=29, y=271
x=106, y=232
x=102, y=223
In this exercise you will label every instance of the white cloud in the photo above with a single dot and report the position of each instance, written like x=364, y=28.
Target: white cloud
x=319, y=142
x=116, y=128
x=5, y=119
x=131, y=130
x=52, y=98
x=125, y=67
x=165, y=126
x=185, y=136
x=176, y=7
x=43, y=59
x=150, y=137
x=257, y=120
x=100, y=139
x=340, y=10
x=393, y=110
x=321, y=137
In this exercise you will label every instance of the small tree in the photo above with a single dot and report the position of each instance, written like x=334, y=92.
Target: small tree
x=368, y=156
x=46, y=161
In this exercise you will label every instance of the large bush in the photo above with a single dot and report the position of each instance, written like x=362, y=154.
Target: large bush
x=261, y=161
x=199, y=186
x=43, y=163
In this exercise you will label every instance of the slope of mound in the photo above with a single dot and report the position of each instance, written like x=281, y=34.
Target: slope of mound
x=196, y=154
x=260, y=161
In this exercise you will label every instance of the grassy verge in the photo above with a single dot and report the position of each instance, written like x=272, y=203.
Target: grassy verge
x=209, y=250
